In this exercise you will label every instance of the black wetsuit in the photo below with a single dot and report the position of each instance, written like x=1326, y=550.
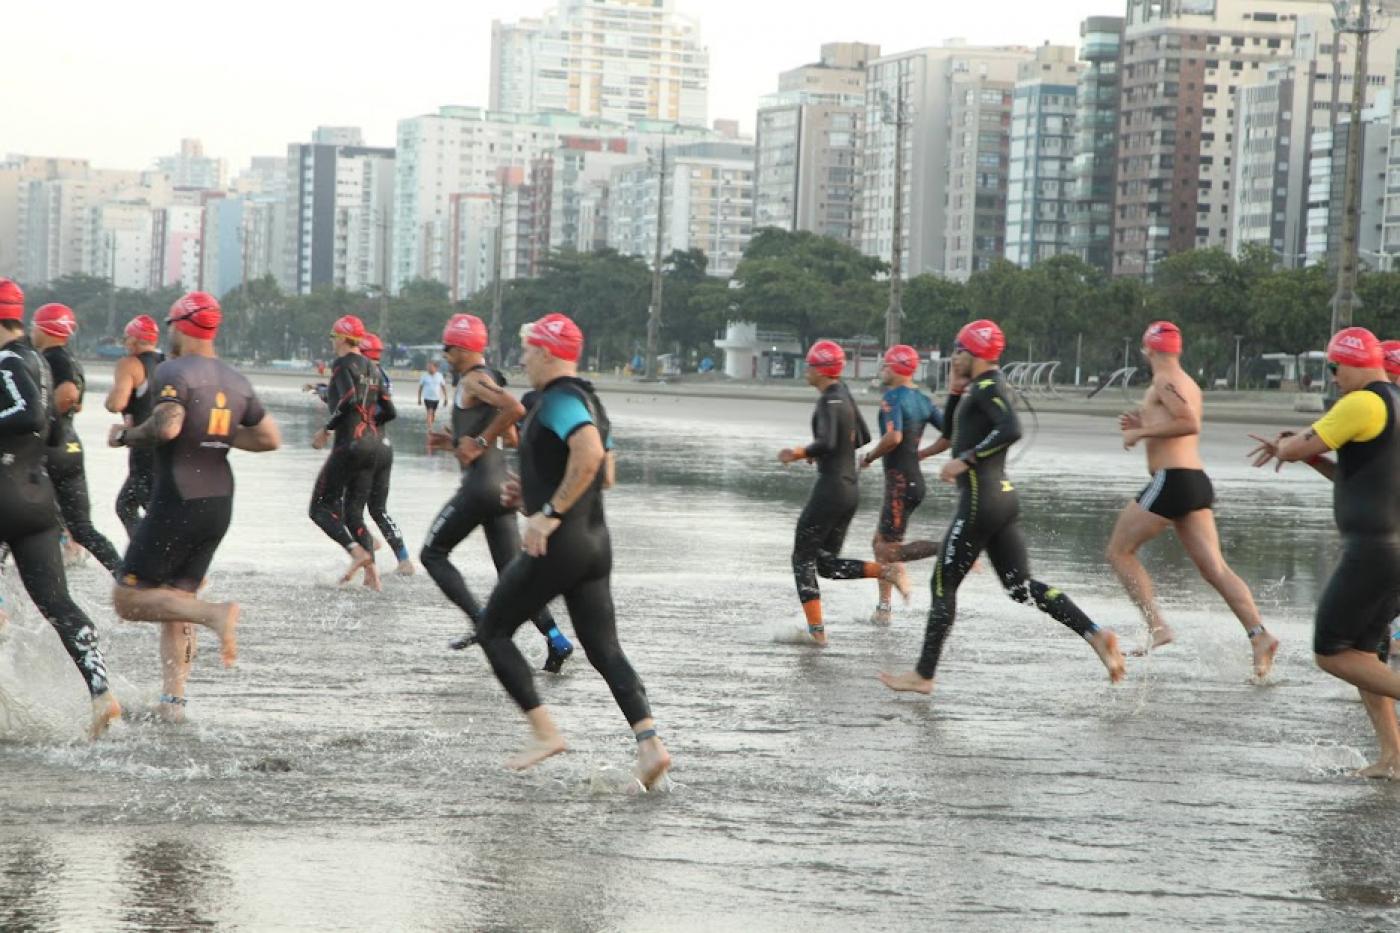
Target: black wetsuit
x=984, y=426
x=380, y=475
x=577, y=563
x=477, y=503
x=192, y=503
x=28, y=513
x=837, y=431
x=356, y=399
x=65, y=465
x=1359, y=600
x=135, y=494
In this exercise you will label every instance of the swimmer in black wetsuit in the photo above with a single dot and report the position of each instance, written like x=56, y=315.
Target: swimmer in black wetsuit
x=481, y=415
x=984, y=426
x=133, y=398
x=53, y=325
x=565, y=465
x=28, y=514
x=377, y=498
x=204, y=408
x=904, y=411
x=1356, y=607
x=355, y=399
x=838, y=431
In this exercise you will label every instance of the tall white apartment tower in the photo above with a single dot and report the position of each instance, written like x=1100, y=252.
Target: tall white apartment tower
x=617, y=60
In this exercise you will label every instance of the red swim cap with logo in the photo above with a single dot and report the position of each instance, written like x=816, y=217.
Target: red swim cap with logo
x=903, y=360
x=983, y=339
x=11, y=300
x=196, y=315
x=827, y=358
x=465, y=331
x=1162, y=336
x=56, y=320
x=557, y=335
x=371, y=346
x=1356, y=346
x=1391, y=350
x=143, y=327
x=349, y=327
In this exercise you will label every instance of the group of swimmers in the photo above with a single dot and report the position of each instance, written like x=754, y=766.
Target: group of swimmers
x=182, y=416
x=979, y=424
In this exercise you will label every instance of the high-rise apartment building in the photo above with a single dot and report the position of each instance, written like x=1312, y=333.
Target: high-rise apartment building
x=341, y=197
x=1040, y=191
x=462, y=150
x=16, y=173
x=615, y=60
x=807, y=147
x=56, y=232
x=957, y=111
x=1096, y=140
x=1183, y=61
x=1326, y=189
x=709, y=204
x=191, y=168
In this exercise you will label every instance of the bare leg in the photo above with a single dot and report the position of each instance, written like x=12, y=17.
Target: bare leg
x=1198, y=535
x=167, y=604
x=176, y=658
x=881, y=615
x=545, y=741
x=1363, y=670
x=1136, y=526
x=1381, y=709
x=652, y=758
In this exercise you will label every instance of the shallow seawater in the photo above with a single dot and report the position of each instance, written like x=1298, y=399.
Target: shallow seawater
x=347, y=774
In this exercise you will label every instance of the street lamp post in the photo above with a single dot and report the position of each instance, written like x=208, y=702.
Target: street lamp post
x=1344, y=300
x=654, y=318
x=1238, y=338
x=496, y=284
x=899, y=118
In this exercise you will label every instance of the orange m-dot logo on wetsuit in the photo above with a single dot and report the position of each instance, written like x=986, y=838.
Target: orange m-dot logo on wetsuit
x=220, y=418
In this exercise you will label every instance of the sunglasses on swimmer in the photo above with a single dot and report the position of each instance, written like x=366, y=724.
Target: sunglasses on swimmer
x=1332, y=368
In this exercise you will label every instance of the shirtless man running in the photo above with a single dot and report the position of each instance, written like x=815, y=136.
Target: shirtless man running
x=1179, y=496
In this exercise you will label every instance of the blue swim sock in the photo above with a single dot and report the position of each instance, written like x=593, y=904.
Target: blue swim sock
x=558, y=640
x=401, y=553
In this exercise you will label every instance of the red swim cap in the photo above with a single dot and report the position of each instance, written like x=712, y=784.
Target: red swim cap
x=349, y=327
x=196, y=315
x=1391, y=350
x=1162, y=336
x=827, y=358
x=56, y=320
x=983, y=339
x=1356, y=346
x=143, y=327
x=11, y=300
x=371, y=346
x=466, y=331
x=903, y=360
x=559, y=336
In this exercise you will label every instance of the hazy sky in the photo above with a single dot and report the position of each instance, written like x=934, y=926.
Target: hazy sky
x=121, y=83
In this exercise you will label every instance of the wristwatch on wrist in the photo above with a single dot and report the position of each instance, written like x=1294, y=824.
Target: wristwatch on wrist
x=481, y=442
x=549, y=511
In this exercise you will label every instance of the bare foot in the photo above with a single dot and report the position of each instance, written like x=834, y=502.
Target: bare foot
x=105, y=709
x=898, y=577
x=880, y=617
x=910, y=682
x=406, y=568
x=360, y=559
x=1265, y=646
x=1161, y=635
x=818, y=633
x=1105, y=644
x=652, y=761
x=372, y=578
x=227, y=630
x=538, y=749
x=173, y=713
x=1387, y=769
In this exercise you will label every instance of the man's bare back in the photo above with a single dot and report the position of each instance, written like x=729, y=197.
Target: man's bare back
x=1173, y=396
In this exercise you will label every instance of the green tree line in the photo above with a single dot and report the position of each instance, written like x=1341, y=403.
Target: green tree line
x=813, y=287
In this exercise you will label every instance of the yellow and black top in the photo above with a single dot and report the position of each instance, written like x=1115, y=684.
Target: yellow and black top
x=1361, y=427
